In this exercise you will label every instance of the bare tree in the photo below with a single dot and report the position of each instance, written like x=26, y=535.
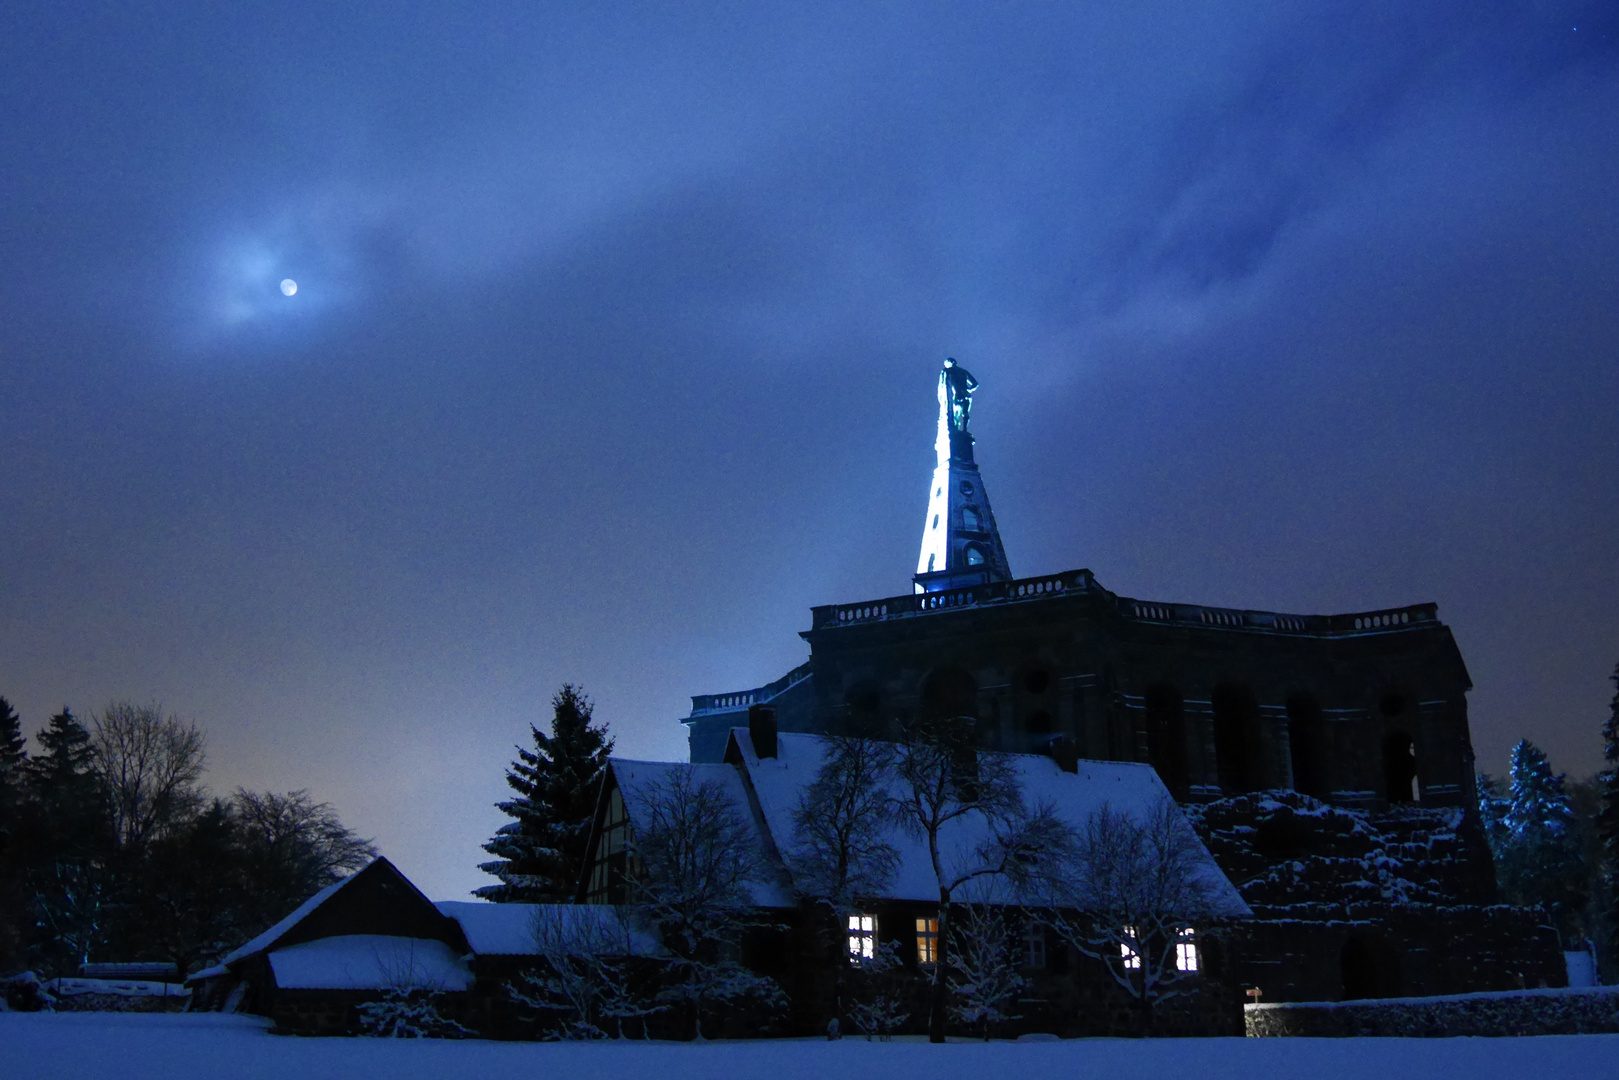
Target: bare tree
x=843, y=823
x=589, y=979
x=1141, y=888
x=697, y=856
x=150, y=766
x=943, y=779
x=294, y=846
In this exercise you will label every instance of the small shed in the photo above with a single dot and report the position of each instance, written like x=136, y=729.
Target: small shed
x=351, y=942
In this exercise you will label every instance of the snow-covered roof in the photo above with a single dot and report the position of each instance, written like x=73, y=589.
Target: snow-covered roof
x=509, y=929
x=370, y=962
x=638, y=782
x=1128, y=788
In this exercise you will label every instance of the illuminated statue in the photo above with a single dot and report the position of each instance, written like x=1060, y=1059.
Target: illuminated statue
x=956, y=386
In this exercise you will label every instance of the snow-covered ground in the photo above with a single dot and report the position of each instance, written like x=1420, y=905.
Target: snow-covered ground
x=126, y=1046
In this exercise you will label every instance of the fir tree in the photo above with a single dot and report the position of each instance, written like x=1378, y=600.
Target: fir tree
x=1538, y=860
x=13, y=760
x=64, y=783
x=1608, y=820
x=539, y=855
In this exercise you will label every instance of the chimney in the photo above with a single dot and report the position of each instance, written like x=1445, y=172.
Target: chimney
x=1065, y=752
x=762, y=729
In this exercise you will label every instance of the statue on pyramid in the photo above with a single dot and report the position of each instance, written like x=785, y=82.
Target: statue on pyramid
x=956, y=386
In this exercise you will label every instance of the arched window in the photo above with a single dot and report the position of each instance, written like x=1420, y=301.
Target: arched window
x=1237, y=744
x=975, y=555
x=949, y=692
x=1166, y=737
x=1307, y=736
x=1400, y=767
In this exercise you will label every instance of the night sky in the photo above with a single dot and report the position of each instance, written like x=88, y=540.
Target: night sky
x=615, y=336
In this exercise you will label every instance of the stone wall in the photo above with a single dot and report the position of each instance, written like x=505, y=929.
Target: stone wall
x=1369, y=904
x=1583, y=1011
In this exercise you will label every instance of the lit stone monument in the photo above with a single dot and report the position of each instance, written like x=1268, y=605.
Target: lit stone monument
x=960, y=544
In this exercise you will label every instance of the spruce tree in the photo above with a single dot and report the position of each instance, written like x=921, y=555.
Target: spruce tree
x=1540, y=861
x=13, y=760
x=1608, y=821
x=63, y=781
x=540, y=854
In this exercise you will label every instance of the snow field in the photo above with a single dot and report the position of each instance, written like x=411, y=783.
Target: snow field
x=86, y=1046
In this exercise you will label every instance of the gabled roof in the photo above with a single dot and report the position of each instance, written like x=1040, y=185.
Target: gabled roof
x=374, y=899
x=779, y=783
x=639, y=781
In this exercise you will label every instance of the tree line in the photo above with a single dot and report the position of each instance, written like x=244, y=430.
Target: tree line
x=113, y=849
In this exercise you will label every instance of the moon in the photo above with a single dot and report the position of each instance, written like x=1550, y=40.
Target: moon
x=288, y=287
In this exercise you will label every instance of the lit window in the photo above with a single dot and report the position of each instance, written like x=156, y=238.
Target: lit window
x=1034, y=946
x=1130, y=949
x=862, y=938
x=927, y=941
x=1186, y=953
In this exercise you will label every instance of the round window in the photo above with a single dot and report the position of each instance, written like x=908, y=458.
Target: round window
x=966, y=487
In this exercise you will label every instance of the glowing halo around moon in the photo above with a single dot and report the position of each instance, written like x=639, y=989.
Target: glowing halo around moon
x=288, y=286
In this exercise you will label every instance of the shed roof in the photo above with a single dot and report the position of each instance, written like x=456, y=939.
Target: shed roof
x=509, y=929
x=369, y=962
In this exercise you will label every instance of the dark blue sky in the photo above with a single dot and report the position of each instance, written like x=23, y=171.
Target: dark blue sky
x=615, y=337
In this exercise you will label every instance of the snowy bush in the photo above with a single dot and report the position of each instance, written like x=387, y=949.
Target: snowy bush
x=588, y=988
x=877, y=1006
x=25, y=993
x=409, y=1013
x=983, y=970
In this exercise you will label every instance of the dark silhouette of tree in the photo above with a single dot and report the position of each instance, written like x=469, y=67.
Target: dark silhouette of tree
x=13, y=760
x=63, y=782
x=1608, y=824
x=150, y=766
x=540, y=854
x=943, y=777
x=290, y=847
x=698, y=855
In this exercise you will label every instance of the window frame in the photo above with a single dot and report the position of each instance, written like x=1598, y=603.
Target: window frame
x=927, y=940
x=862, y=938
